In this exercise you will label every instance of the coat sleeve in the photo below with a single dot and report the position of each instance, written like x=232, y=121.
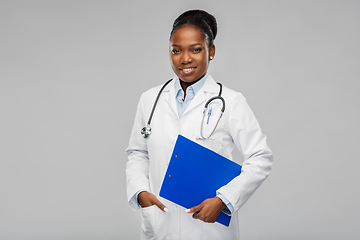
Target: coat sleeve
x=137, y=167
x=248, y=138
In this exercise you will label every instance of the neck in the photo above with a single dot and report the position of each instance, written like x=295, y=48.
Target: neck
x=184, y=85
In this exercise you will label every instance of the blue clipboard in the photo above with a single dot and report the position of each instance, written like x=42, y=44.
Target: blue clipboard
x=195, y=173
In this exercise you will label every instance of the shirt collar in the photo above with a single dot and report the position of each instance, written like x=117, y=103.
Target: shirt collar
x=195, y=87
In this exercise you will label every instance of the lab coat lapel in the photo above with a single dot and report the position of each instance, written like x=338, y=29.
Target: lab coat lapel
x=170, y=96
x=210, y=86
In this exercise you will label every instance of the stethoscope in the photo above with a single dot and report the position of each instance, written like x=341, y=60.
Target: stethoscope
x=146, y=130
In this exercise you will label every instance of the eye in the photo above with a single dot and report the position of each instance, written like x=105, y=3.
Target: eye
x=197, y=50
x=175, y=51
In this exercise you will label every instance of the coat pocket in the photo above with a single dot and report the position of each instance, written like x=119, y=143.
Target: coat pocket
x=154, y=223
x=148, y=223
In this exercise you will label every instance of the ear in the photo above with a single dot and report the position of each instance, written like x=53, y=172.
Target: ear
x=212, y=52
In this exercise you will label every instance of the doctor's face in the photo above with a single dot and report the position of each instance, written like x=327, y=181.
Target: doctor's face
x=189, y=53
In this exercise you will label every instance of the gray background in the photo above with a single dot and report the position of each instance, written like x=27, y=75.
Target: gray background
x=71, y=74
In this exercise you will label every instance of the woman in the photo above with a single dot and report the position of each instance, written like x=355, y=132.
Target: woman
x=179, y=110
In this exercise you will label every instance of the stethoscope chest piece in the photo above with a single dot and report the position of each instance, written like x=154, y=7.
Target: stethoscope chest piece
x=146, y=131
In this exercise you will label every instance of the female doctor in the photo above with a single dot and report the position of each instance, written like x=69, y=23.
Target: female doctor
x=179, y=109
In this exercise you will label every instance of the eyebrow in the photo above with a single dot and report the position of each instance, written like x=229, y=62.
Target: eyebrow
x=192, y=45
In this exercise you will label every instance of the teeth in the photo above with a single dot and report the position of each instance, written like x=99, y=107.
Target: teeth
x=187, y=69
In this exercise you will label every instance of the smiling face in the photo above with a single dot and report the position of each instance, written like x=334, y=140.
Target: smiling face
x=189, y=53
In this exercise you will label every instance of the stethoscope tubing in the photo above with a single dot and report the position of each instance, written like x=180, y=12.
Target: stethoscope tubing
x=146, y=130
x=157, y=99
x=206, y=105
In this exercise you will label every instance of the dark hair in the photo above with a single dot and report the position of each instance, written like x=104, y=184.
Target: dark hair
x=200, y=19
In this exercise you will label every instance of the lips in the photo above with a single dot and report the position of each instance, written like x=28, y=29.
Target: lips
x=187, y=70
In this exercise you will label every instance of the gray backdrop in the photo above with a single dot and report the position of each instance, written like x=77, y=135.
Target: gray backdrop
x=71, y=74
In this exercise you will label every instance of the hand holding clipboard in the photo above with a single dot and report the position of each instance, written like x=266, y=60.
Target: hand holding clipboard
x=188, y=187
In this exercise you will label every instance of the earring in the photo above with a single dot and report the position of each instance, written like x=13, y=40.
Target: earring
x=211, y=57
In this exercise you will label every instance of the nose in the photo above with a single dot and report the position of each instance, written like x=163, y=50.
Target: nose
x=185, y=58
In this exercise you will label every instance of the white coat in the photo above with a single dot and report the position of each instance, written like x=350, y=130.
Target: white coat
x=148, y=159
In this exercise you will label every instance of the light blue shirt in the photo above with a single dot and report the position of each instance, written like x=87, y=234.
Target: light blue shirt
x=191, y=91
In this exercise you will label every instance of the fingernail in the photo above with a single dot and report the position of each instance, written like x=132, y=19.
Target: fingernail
x=166, y=209
x=187, y=210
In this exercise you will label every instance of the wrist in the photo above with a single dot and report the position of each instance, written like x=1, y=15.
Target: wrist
x=221, y=204
x=139, y=196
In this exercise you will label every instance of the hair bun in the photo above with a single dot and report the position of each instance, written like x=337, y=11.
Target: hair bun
x=203, y=15
x=198, y=18
x=208, y=18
